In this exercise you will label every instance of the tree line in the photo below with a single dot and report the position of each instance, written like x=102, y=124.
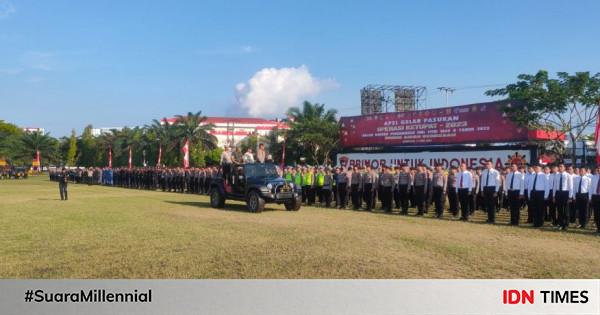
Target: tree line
x=313, y=134
x=567, y=104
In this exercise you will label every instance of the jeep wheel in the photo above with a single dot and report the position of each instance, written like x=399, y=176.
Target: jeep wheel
x=216, y=198
x=255, y=202
x=293, y=204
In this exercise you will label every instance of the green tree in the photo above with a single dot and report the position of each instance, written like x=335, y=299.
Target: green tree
x=567, y=104
x=9, y=136
x=194, y=128
x=213, y=157
x=314, y=132
x=71, y=154
x=32, y=142
x=167, y=137
x=88, y=148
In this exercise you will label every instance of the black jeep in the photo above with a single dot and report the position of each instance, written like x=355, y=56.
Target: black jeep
x=256, y=184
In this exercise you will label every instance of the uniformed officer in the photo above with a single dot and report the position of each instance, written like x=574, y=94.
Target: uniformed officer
x=420, y=186
x=368, y=182
x=539, y=190
x=563, y=195
x=63, y=180
x=451, y=192
x=490, y=186
x=326, y=189
x=356, y=188
x=342, y=187
x=439, y=182
x=594, y=197
x=464, y=187
x=387, y=186
x=514, y=189
x=581, y=185
x=405, y=186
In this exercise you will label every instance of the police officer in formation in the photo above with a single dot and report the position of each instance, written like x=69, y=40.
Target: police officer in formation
x=559, y=195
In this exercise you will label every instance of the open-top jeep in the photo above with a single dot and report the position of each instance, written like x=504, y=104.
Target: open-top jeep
x=256, y=184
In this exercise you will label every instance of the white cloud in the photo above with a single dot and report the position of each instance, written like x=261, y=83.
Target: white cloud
x=38, y=60
x=11, y=71
x=246, y=49
x=271, y=91
x=35, y=79
x=6, y=9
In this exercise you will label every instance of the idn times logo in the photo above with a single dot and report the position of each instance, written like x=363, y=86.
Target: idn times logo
x=514, y=296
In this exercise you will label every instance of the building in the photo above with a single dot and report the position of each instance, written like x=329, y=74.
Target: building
x=33, y=129
x=96, y=132
x=231, y=130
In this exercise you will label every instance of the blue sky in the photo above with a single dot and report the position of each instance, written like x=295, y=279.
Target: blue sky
x=65, y=64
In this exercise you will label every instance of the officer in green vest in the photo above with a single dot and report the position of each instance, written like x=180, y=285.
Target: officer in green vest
x=297, y=175
x=288, y=175
x=319, y=185
x=308, y=185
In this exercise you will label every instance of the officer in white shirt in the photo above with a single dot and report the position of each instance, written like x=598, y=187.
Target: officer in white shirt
x=514, y=188
x=563, y=195
x=539, y=189
x=489, y=186
x=464, y=187
x=581, y=187
x=594, y=197
x=528, y=180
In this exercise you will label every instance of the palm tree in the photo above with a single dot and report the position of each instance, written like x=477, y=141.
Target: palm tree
x=311, y=112
x=193, y=127
x=314, y=130
x=167, y=137
x=32, y=142
x=107, y=141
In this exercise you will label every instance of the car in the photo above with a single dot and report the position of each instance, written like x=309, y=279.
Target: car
x=257, y=184
x=20, y=172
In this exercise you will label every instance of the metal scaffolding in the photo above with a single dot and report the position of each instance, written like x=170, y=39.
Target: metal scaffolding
x=392, y=98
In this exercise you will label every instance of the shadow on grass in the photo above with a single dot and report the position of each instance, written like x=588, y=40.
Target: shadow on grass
x=206, y=204
x=545, y=229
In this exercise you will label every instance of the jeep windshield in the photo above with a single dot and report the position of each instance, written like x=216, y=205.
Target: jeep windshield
x=261, y=170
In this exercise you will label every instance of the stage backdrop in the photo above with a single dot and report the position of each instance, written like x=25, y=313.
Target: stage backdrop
x=500, y=158
x=475, y=123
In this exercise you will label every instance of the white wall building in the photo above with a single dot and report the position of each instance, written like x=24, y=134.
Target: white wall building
x=100, y=131
x=231, y=130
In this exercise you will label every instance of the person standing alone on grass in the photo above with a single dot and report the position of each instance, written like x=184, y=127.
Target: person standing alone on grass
x=63, y=180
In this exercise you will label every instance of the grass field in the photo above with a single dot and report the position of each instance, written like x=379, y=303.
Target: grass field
x=104, y=232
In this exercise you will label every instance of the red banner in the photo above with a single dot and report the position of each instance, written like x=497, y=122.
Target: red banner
x=129, y=161
x=159, y=155
x=186, y=154
x=109, y=156
x=597, y=140
x=475, y=123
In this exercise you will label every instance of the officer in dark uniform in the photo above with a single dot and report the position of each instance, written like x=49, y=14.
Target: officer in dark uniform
x=355, y=188
x=439, y=182
x=63, y=180
x=387, y=186
x=405, y=182
x=420, y=185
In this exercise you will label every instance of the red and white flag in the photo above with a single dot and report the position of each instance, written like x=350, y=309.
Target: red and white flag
x=109, y=156
x=186, y=154
x=130, y=160
x=37, y=156
x=159, y=155
x=597, y=139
